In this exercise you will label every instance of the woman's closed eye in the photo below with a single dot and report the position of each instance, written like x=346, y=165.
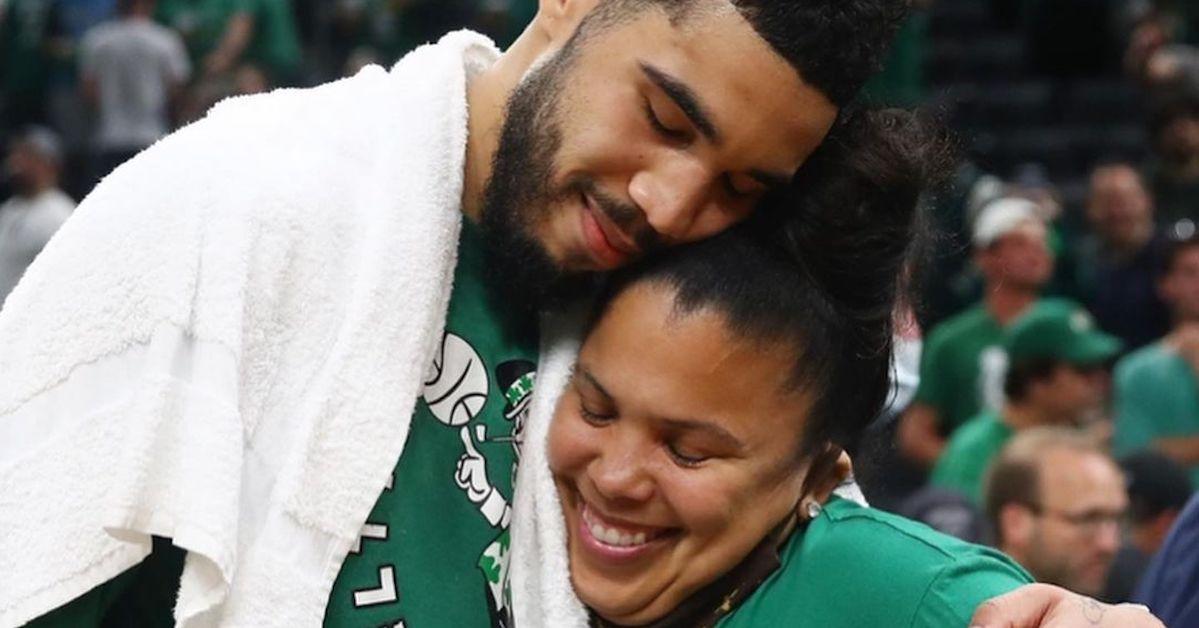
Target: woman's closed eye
x=685, y=457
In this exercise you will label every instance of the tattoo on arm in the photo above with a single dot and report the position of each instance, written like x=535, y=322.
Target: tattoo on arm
x=1092, y=610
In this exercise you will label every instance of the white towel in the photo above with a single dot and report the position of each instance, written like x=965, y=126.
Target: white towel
x=224, y=345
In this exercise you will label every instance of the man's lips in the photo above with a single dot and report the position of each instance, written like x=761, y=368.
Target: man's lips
x=604, y=238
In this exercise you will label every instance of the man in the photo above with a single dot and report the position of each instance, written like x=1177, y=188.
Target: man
x=132, y=71
x=1056, y=376
x=1168, y=587
x=962, y=364
x=1118, y=264
x=248, y=351
x=1055, y=500
x=1157, y=388
x=38, y=207
x=1158, y=490
x=1174, y=172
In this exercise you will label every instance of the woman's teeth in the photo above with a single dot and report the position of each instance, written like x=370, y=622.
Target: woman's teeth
x=612, y=536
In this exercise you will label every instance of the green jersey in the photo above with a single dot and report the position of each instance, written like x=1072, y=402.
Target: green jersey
x=961, y=368
x=1156, y=396
x=434, y=550
x=968, y=454
x=855, y=566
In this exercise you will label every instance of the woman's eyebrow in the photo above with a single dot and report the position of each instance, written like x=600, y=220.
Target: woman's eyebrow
x=707, y=427
x=582, y=372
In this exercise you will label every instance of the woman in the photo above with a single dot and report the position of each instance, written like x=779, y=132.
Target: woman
x=701, y=434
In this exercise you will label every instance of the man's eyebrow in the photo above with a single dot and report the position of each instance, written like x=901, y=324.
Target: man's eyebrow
x=685, y=98
x=704, y=426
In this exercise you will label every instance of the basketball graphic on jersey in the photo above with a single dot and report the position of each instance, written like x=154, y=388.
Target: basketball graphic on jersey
x=456, y=384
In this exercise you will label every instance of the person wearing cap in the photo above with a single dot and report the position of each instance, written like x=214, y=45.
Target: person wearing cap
x=1158, y=490
x=962, y=366
x=1056, y=377
x=1156, y=389
x=38, y=207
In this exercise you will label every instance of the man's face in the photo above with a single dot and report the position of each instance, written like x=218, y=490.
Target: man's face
x=1074, y=392
x=1120, y=209
x=1180, y=287
x=1179, y=139
x=1020, y=258
x=642, y=133
x=1075, y=535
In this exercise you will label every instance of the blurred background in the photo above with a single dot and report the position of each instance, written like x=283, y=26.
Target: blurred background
x=1079, y=195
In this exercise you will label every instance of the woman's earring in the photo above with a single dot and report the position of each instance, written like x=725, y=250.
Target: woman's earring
x=814, y=509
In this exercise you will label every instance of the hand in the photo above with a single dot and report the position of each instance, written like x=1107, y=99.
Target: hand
x=471, y=475
x=1047, y=606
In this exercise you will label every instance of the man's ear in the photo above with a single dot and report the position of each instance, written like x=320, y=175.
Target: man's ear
x=558, y=19
x=1015, y=527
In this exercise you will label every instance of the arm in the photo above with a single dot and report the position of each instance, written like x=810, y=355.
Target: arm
x=919, y=439
x=233, y=43
x=1047, y=606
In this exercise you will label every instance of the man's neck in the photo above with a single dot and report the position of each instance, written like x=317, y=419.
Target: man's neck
x=486, y=97
x=1123, y=250
x=1006, y=302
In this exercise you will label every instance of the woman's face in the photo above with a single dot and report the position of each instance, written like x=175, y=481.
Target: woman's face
x=674, y=453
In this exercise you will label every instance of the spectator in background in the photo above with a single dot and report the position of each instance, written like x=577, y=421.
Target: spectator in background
x=962, y=366
x=221, y=34
x=26, y=29
x=1174, y=174
x=1056, y=376
x=1157, y=387
x=132, y=70
x=1158, y=490
x=1169, y=586
x=1117, y=264
x=1055, y=500
x=37, y=210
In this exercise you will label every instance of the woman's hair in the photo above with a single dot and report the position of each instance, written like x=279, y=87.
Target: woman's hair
x=821, y=266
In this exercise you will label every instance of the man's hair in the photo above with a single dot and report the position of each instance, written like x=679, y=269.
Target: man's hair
x=1156, y=485
x=820, y=267
x=1176, y=249
x=1014, y=477
x=1022, y=374
x=835, y=45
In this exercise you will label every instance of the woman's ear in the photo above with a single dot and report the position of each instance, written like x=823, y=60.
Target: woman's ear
x=558, y=19
x=828, y=470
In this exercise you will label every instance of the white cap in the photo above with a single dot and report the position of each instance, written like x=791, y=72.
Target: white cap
x=1000, y=217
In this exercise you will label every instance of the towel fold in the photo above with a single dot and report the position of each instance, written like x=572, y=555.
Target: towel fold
x=225, y=343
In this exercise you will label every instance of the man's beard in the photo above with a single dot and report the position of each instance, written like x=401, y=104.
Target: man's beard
x=520, y=193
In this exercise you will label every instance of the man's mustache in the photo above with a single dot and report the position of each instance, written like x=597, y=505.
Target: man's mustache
x=626, y=216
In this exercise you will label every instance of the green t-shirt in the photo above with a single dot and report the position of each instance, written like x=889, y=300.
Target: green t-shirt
x=855, y=566
x=202, y=23
x=961, y=368
x=1156, y=396
x=434, y=550
x=968, y=454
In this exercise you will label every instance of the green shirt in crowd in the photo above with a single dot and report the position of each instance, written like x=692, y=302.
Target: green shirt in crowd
x=961, y=367
x=275, y=45
x=855, y=566
x=1156, y=396
x=434, y=551
x=969, y=452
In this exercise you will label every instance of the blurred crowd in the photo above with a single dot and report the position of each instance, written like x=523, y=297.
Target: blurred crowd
x=1056, y=413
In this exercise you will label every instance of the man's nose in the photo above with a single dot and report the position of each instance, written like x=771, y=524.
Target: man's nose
x=672, y=192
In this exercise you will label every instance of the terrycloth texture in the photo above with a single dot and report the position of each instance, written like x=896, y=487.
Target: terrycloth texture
x=224, y=345
x=541, y=592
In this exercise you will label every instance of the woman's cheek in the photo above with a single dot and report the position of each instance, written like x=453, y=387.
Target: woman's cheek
x=567, y=441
